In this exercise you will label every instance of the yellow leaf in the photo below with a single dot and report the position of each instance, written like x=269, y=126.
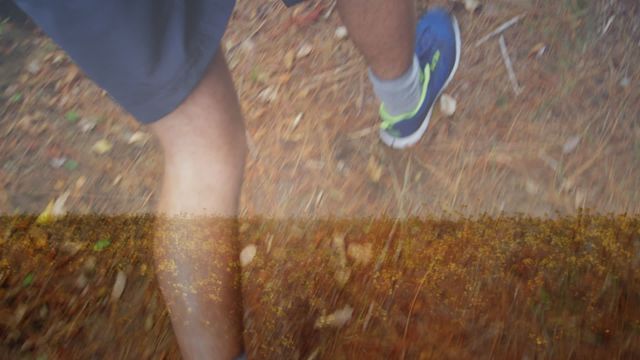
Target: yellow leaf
x=102, y=146
x=47, y=215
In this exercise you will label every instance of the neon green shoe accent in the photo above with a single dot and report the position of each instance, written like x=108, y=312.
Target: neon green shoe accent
x=389, y=120
x=434, y=60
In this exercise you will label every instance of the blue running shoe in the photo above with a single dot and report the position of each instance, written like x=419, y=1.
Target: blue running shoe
x=438, y=49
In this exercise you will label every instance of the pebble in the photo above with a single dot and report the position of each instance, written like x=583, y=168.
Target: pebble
x=248, y=254
x=625, y=82
x=571, y=144
x=471, y=5
x=341, y=32
x=57, y=162
x=148, y=322
x=34, y=67
x=87, y=124
x=448, y=104
x=118, y=285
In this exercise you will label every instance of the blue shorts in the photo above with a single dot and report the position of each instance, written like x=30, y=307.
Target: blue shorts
x=147, y=54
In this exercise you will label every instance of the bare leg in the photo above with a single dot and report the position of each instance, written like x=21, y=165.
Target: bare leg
x=384, y=31
x=204, y=148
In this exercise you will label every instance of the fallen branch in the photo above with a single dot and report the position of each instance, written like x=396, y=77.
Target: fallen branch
x=500, y=29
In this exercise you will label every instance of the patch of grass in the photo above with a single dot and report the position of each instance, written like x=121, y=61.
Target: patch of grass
x=15, y=98
x=72, y=116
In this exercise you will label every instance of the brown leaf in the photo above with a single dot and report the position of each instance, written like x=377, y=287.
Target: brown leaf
x=374, y=169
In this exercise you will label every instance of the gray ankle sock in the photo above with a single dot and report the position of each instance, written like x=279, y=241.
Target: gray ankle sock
x=400, y=95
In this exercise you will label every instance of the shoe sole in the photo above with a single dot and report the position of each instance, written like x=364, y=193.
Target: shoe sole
x=404, y=142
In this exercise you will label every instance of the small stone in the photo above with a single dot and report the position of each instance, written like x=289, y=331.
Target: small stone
x=118, y=285
x=341, y=32
x=625, y=82
x=571, y=144
x=304, y=51
x=471, y=5
x=57, y=162
x=148, y=322
x=87, y=124
x=531, y=187
x=248, y=254
x=447, y=105
x=34, y=67
x=248, y=46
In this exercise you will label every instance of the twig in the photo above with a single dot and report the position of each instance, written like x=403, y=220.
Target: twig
x=387, y=245
x=507, y=62
x=253, y=33
x=500, y=29
x=251, y=145
x=367, y=317
x=362, y=132
x=330, y=10
x=413, y=304
x=607, y=25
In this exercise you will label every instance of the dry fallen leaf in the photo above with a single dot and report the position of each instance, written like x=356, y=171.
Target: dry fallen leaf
x=58, y=208
x=54, y=209
x=336, y=319
x=374, y=169
x=71, y=247
x=248, y=254
x=304, y=51
x=139, y=137
x=342, y=276
x=289, y=59
x=360, y=253
x=102, y=146
x=80, y=182
x=268, y=95
x=537, y=50
x=46, y=215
